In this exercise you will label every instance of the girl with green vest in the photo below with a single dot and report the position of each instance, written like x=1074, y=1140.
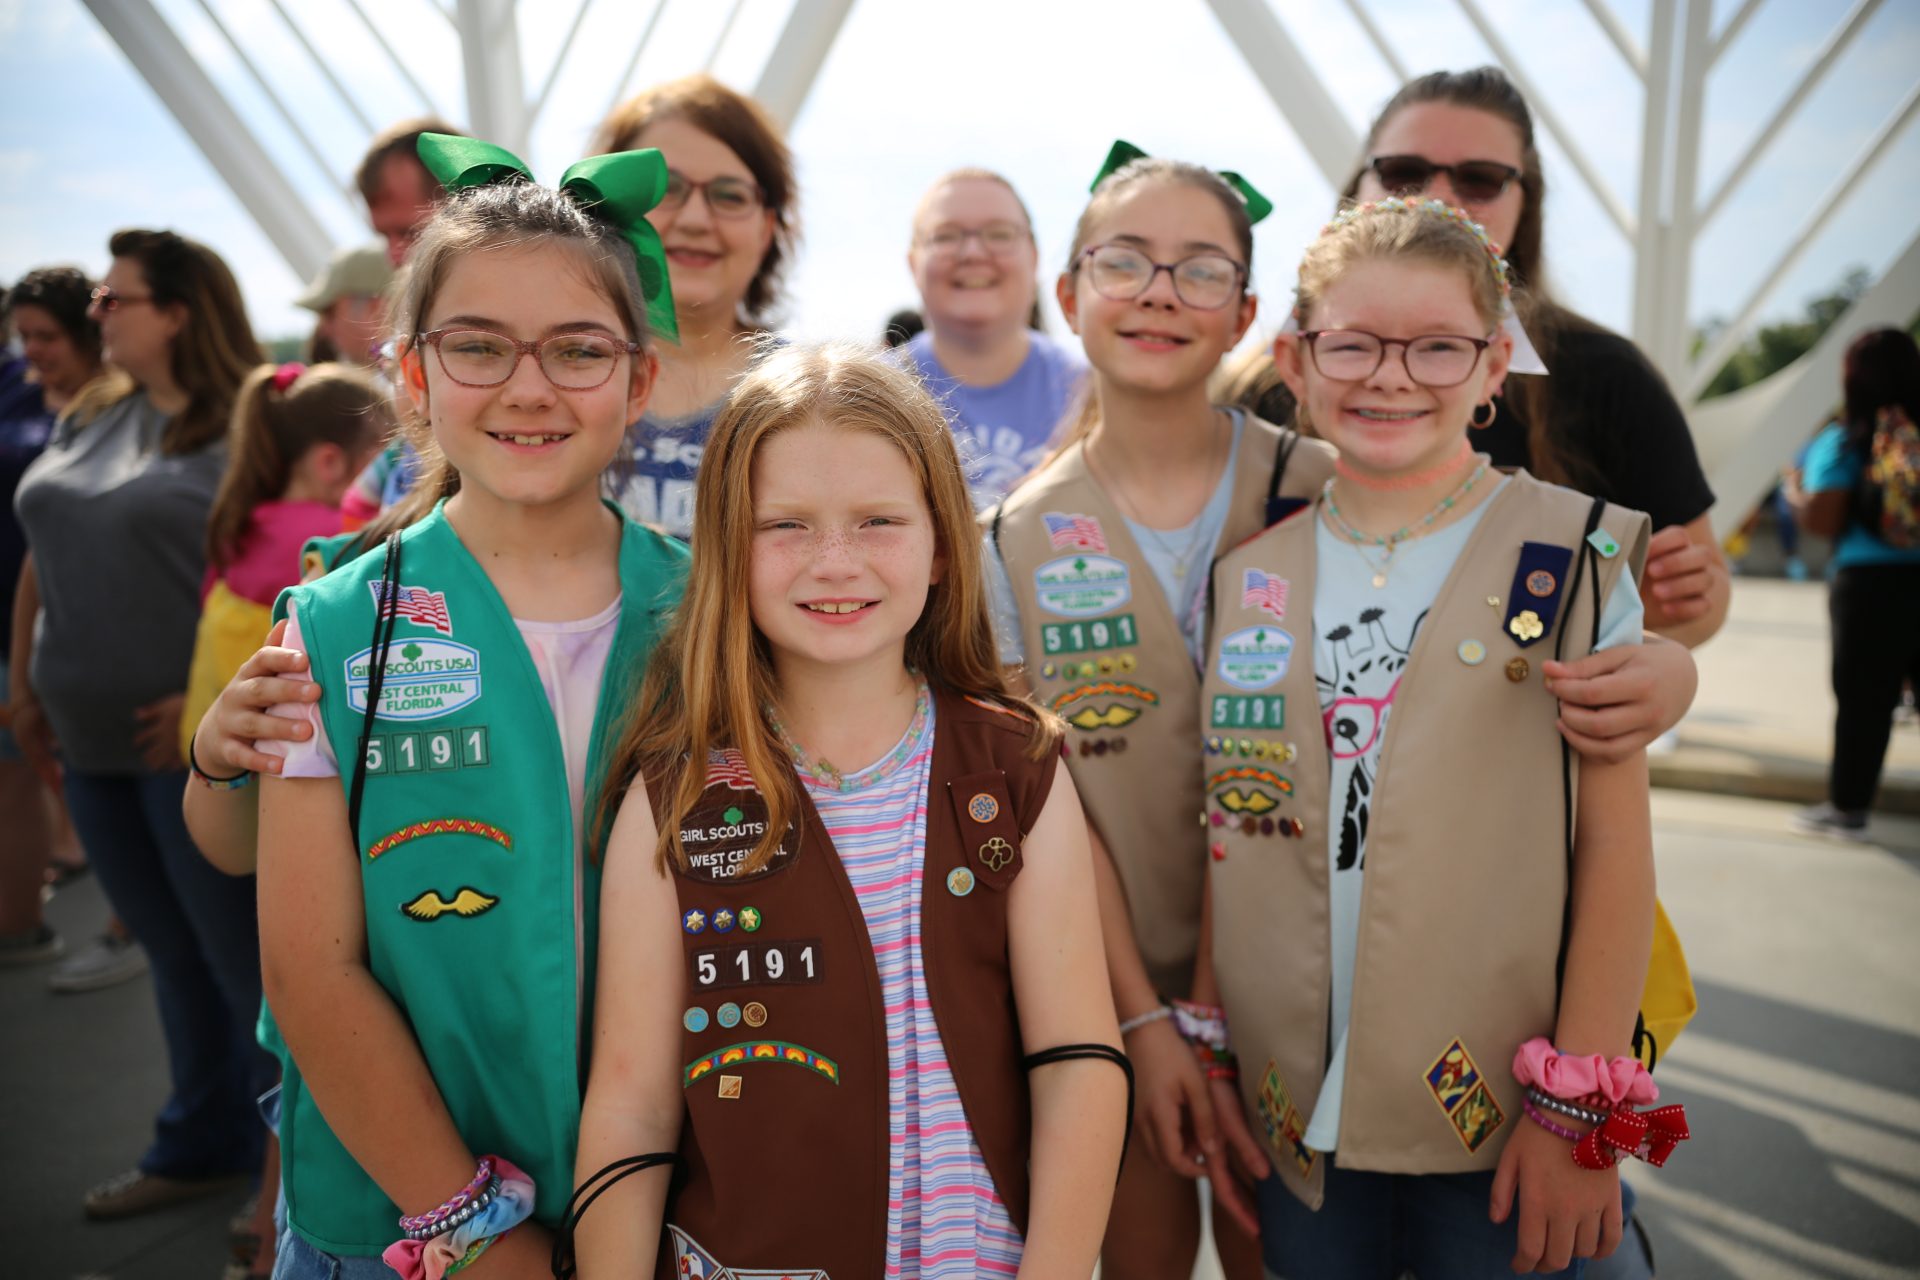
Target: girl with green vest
x=864, y=998
x=428, y=902
x=1460, y=909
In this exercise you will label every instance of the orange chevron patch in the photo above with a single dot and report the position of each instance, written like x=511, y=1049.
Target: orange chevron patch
x=1105, y=688
x=440, y=827
x=1248, y=773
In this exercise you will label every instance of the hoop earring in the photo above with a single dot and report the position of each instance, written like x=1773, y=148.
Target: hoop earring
x=1493, y=411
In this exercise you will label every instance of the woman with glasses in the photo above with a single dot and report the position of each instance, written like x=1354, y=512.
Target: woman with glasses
x=729, y=222
x=1098, y=568
x=1004, y=385
x=1604, y=420
x=115, y=513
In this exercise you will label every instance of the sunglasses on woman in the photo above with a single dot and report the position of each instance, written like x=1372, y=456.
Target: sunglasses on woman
x=1474, y=181
x=106, y=299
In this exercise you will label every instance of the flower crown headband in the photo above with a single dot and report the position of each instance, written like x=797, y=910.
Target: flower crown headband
x=1431, y=209
x=617, y=188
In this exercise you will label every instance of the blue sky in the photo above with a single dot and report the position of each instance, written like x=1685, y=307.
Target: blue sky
x=1036, y=90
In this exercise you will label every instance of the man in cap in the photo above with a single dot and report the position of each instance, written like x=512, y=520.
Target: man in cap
x=349, y=296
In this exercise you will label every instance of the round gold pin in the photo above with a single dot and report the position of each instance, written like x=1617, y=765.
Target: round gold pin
x=1517, y=670
x=754, y=1014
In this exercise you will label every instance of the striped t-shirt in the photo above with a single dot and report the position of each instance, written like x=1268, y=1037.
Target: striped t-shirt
x=943, y=1216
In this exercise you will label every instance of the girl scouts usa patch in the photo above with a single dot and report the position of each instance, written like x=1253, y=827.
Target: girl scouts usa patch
x=424, y=679
x=1082, y=586
x=722, y=831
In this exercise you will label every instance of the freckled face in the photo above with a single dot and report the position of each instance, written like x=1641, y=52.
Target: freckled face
x=843, y=547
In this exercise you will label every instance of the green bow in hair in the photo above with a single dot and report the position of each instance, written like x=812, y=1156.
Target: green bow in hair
x=1124, y=153
x=620, y=188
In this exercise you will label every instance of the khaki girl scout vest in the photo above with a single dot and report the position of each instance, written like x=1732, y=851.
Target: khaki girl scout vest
x=1466, y=869
x=784, y=1146
x=480, y=925
x=1105, y=651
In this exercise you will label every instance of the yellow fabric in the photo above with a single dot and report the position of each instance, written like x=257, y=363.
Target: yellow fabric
x=231, y=628
x=1668, y=1003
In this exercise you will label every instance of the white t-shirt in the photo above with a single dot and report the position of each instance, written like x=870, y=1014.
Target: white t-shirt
x=1362, y=638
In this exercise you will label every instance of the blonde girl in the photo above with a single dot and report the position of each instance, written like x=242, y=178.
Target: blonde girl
x=826, y=983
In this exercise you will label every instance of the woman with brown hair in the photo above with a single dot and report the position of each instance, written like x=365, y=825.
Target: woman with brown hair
x=115, y=514
x=729, y=222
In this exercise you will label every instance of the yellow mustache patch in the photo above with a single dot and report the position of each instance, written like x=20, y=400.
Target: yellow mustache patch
x=430, y=905
x=1234, y=800
x=1112, y=717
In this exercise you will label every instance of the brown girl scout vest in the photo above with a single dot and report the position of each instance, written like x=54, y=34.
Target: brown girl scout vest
x=1466, y=872
x=1105, y=651
x=784, y=1143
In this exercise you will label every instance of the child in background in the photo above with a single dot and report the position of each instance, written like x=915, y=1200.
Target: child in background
x=886, y=959
x=299, y=437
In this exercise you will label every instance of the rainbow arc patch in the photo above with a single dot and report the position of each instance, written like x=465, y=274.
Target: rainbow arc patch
x=440, y=827
x=748, y=1052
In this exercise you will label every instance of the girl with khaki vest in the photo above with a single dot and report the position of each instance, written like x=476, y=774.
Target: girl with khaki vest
x=1384, y=940
x=1099, y=563
x=850, y=994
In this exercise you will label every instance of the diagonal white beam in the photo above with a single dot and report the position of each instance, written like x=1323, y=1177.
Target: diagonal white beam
x=1674, y=336
x=1728, y=339
x=1379, y=38
x=1832, y=49
x=380, y=38
x=291, y=120
x=720, y=41
x=1622, y=38
x=1650, y=246
x=1731, y=32
x=1538, y=101
x=539, y=103
x=326, y=68
x=788, y=76
x=157, y=53
x=1290, y=81
x=640, y=47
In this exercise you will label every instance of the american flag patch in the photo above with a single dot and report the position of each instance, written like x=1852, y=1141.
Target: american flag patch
x=414, y=604
x=1265, y=591
x=730, y=767
x=1074, y=531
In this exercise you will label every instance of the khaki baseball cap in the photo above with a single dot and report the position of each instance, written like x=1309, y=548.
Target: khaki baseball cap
x=361, y=272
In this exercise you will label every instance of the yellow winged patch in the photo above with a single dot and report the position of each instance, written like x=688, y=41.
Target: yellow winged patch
x=430, y=905
x=1254, y=801
x=1113, y=717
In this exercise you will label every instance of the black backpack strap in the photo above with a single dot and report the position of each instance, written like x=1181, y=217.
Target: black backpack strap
x=1583, y=553
x=386, y=615
x=1279, y=508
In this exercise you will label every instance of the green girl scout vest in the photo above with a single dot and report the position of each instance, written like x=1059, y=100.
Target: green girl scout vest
x=1105, y=651
x=481, y=925
x=1457, y=957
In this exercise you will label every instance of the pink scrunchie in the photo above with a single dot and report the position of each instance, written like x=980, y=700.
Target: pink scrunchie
x=430, y=1259
x=1568, y=1076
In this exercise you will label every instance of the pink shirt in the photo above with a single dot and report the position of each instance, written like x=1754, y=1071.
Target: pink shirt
x=571, y=657
x=269, y=559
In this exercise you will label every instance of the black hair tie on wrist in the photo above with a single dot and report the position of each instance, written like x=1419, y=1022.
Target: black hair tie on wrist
x=1070, y=1052
x=563, y=1264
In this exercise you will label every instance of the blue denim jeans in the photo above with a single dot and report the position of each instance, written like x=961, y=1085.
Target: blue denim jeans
x=1376, y=1226
x=298, y=1260
x=202, y=938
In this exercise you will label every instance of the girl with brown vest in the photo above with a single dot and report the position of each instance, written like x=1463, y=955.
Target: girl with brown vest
x=1383, y=951
x=830, y=985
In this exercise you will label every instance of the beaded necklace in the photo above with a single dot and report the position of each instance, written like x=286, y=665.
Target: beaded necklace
x=1330, y=509
x=823, y=774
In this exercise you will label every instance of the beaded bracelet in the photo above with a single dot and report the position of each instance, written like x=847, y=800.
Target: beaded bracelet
x=1573, y=1111
x=459, y=1217
x=212, y=783
x=436, y=1218
x=1201, y=1023
x=1558, y=1130
x=1140, y=1020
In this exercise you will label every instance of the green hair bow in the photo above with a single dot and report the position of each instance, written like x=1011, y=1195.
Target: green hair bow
x=1124, y=153
x=620, y=188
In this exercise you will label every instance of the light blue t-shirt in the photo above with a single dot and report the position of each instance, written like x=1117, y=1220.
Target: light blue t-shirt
x=1181, y=560
x=1831, y=465
x=1002, y=431
x=1362, y=639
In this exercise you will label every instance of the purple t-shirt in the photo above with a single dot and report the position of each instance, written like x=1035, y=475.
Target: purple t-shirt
x=1002, y=431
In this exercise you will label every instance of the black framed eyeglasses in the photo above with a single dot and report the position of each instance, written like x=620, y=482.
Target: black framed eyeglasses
x=571, y=361
x=1206, y=281
x=726, y=196
x=1431, y=359
x=1474, y=181
x=105, y=299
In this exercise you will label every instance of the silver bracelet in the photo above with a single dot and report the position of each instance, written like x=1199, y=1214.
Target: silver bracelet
x=1548, y=1102
x=467, y=1213
x=1138, y=1021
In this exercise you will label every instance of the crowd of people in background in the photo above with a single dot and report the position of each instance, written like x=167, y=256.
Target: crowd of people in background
x=167, y=485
